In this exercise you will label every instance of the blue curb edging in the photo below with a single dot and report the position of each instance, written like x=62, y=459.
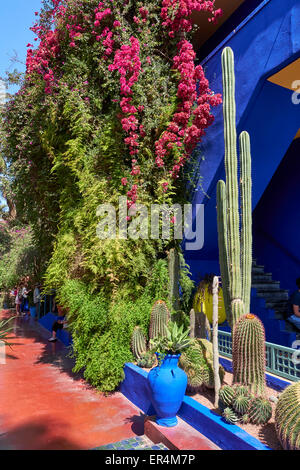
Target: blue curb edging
x=211, y=425
x=273, y=382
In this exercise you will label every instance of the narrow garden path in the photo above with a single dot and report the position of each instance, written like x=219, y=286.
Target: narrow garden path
x=43, y=406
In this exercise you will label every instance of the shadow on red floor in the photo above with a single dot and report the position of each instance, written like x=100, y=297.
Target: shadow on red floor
x=45, y=406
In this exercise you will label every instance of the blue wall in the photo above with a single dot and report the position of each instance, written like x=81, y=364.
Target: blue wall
x=263, y=44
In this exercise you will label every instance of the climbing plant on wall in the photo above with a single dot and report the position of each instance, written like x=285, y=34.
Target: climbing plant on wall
x=112, y=104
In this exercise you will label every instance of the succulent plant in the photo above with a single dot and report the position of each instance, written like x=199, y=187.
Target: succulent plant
x=241, y=390
x=226, y=396
x=245, y=419
x=230, y=416
x=260, y=411
x=159, y=319
x=248, y=353
x=241, y=404
x=138, y=342
x=287, y=417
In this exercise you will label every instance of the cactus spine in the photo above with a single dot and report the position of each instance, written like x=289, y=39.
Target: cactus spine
x=248, y=353
x=160, y=317
x=235, y=250
x=287, y=417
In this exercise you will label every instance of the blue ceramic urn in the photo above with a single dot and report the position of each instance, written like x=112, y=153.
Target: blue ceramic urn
x=167, y=385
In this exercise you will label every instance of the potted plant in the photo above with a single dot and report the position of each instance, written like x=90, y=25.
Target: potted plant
x=167, y=382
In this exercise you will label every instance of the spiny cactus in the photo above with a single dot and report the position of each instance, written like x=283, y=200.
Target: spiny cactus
x=146, y=359
x=260, y=411
x=241, y=404
x=248, y=353
x=241, y=390
x=160, y=317
x=230, y=416
x=138, y=342
x=235, y=246
x=174, y=272
x=287, y=417
x=226, y=396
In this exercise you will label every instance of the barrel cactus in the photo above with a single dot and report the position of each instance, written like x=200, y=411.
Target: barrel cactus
x=260, y=411
x=235, y=241
x=230, y=416
x=138, y=342
x=159, y=319
x=241, y=404
x=287, y=417
x=248, y=353
x=226, y=396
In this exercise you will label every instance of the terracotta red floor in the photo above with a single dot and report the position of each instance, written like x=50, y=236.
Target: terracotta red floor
x=44, y=406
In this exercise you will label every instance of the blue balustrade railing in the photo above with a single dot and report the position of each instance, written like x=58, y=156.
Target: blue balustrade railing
x=280, y=360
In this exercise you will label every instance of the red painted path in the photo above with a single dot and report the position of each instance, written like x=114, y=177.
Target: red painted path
x=43, y=406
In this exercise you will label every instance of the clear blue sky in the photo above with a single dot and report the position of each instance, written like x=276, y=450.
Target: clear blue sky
x=16, y=17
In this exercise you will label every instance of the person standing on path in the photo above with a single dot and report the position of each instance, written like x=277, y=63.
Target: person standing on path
x=37, y=300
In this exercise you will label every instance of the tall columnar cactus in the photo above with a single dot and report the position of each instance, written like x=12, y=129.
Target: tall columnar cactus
x=160, y=317
x=138, y=342
x=248, y=354
x=234, y=229
x=287, y=417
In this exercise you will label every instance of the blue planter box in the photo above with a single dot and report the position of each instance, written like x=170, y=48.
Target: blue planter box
x=63, y=335
x=226, y=436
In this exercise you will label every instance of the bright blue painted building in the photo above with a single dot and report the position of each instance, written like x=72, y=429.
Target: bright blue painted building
x=265, y=38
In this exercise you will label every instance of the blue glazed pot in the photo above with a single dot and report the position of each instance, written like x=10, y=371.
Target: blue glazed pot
x=167, y=385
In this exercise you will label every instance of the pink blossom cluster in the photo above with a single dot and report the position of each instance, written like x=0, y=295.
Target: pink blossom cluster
x=40, y=60
x=176, y=14
x=127, y=62
x=181, y=133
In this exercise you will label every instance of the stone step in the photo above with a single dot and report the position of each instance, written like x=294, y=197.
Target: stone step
x=261, y=277
x=134, y=443
x=273, y=296
x=258, y=269
x=266, y=286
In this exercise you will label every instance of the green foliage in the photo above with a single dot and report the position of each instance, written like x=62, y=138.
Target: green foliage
x=102, y=328
x=19, y=256
x=5, y=329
